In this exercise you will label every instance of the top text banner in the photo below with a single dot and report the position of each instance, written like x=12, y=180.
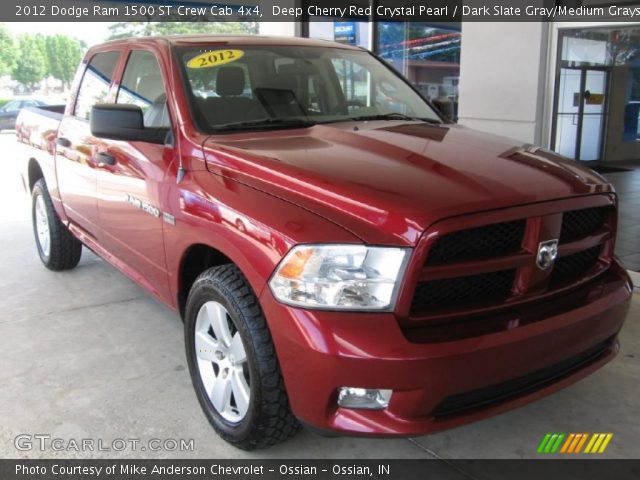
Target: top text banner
x=319, y=10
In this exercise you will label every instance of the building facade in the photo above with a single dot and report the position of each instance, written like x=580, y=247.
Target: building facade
x=571, y=87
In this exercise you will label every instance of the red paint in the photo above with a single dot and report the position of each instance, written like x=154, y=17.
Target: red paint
x=253, y=196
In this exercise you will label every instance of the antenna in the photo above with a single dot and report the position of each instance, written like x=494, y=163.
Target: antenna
x=181, y=169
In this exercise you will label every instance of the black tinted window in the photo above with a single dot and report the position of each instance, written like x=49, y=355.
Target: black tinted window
x=95, y=82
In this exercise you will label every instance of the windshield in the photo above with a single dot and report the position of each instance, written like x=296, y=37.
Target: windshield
x=252, y=87
x=11, y=106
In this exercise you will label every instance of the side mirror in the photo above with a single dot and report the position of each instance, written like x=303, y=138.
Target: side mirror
x=116, y=121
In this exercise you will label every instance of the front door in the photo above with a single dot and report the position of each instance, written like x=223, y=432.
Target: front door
x=130, y=177
x=580, y=118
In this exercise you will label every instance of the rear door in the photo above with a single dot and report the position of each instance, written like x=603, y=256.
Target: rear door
x=76, y=150
x=130, y=188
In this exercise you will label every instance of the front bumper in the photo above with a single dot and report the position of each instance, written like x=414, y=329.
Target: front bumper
x=442, y=383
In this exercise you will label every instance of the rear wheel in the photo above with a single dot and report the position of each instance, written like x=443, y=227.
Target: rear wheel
x=233, y=364
x=57, y=247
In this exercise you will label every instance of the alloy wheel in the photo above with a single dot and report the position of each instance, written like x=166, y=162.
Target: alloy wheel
x=222, y=362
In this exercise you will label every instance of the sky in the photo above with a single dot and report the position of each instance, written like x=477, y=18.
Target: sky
x=90, y=32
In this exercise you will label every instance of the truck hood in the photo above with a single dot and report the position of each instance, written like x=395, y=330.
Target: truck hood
x=386, y=182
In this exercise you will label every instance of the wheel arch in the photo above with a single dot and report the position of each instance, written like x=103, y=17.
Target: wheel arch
x=34, y=173
x=194, y=260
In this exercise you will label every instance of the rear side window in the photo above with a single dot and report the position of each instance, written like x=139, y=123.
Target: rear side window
x=142, y=85
x=95, y=82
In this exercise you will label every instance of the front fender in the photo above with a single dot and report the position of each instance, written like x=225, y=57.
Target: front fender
x=252, y=228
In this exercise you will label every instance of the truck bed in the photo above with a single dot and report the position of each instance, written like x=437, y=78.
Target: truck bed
x=38, y=126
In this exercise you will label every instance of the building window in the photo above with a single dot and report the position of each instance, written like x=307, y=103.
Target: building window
x=631, y=130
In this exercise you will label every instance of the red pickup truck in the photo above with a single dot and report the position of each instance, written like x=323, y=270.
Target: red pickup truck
x=341, y=256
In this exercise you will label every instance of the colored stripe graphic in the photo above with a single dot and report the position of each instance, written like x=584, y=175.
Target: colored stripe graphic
x=556, y=445
x=543, y=443
x=573, y=443
x=568, y=442
x=581, y=443
x=594, y=437
x=551, y=443
x=598, y=443
x=604, y=445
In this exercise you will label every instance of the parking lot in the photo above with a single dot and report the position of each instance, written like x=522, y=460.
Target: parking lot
x=88, y=354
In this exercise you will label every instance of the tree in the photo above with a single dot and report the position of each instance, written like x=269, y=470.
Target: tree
x=31, y=64
x=7, y=51
x=63, y=55
x=41, y=44
x=136, y=29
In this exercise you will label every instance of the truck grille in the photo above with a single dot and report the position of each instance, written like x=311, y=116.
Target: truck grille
x=580, y=223
x=477, y=243
x=569, y=267
x=488, y=266
x=464, y=290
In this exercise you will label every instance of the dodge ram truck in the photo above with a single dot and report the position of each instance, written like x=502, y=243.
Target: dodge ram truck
x=342, y=257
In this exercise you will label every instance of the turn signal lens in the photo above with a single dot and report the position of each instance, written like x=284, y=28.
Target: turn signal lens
x=294, y=266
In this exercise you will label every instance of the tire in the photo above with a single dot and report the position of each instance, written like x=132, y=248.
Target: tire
x=223, y=294
x=57, y=247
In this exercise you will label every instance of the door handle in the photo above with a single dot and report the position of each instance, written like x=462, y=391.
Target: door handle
x=106, y=159
x=63, y=142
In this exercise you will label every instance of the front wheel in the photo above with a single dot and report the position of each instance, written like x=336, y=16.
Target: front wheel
x=57, y=247
x=233, y=363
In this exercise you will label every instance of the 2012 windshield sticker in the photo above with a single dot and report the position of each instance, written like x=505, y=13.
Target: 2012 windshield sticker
x=215, y=58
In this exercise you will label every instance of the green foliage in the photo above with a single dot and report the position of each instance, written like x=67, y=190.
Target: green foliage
x=7, y=51
x=63, y=55
x=31, y=58
x=31, y=63
x=137, y=29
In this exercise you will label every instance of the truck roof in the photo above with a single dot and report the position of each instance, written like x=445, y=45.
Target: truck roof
x=185, y=40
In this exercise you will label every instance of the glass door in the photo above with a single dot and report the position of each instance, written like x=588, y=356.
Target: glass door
x=580, y=112
x=593, y=114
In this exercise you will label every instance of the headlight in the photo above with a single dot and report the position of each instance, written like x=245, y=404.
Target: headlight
x=345, y=277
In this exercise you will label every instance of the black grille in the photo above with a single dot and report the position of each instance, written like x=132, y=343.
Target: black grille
x=454, y=292
x=573, y=266
x=472, y=400
x=578, y=224
x=478, y=243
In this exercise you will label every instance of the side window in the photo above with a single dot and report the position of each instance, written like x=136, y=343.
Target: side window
x=142, y=85
x=95, y=82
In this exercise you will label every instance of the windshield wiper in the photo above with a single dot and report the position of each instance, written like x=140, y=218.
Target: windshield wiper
x=266, y=123
x=390, y=116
